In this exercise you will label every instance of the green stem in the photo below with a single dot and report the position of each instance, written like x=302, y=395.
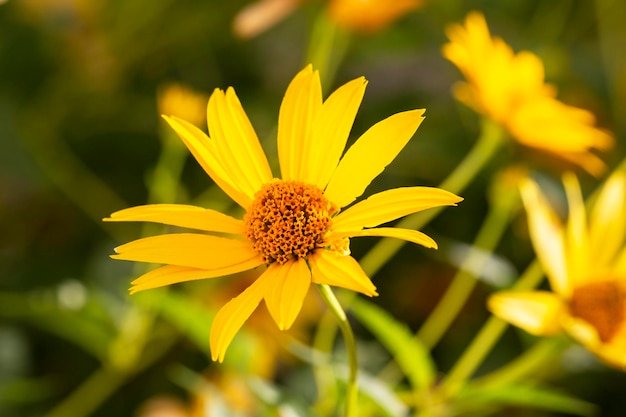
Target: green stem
x=484, y=148
x=531, y=363
x=327, y=46
x=323, y=341
x=348, y=336
x=488, y=335
x=464, y=281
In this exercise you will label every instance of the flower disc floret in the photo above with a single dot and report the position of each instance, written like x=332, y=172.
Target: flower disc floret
x=601, y=304
x=287, y=220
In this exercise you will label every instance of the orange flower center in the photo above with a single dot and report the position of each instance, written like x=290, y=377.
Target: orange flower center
x=287, y=220
x=602, y=305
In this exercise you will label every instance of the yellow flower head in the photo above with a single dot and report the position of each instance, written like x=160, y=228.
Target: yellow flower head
x=183, y=102
x=369, y=15
x=585, y=261
x=510, y=89
x=297, y=226
x=358, y=15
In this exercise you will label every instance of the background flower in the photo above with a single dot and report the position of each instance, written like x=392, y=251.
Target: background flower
x=585, y=261
x=510, y=89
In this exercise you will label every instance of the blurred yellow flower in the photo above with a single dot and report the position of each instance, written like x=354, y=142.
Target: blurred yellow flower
x=358, y=15
x=585, y=261
x=510, y=89
x=294, y=225
x=179, y=100
x=369, y=15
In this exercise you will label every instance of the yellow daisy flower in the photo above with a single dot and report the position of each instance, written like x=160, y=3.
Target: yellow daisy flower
x=294, y=225
x=510, y=89
x=178, y=99
x=369, y=15
x=364, y=16
x=585, y=261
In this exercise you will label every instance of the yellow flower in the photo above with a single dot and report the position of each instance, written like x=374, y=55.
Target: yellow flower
x=369, y=15
x=585, y=261
x=510, y=89
x=358, y=15
x=294, y=225
x=182, y=101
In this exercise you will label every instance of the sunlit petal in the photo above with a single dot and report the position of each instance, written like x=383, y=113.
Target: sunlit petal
x=198, y=144
x=578, y=261
x=174, y=274
x=180, y=215
x=607, y=225
x=289, y=284
x=300, y=106
x=331, y=130
x=395, y=232
x=231, y=317
x=330, y=268
x=537, y=312
x=546, y=232
x=188, y=249
x=389, y=205
x=370, y=154
x=236, y=142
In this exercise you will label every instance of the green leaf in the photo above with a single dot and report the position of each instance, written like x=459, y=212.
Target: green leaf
x=521, y=395
x=411, y=355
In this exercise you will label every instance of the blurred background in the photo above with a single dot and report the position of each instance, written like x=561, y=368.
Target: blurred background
x=82, y=87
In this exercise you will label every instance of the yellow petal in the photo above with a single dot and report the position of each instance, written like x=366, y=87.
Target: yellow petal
x=370, y=154
x=298, y=110
x=289, y=284
x=331, y=130
x=231, y=317
x=404, y=234
x=537, y=312
x=607, y=225
x=180, y=215
x=201, y=148
x=188, y=249
x=389, y=205
x=330, y=268
x=546, y=233
x=236, y=142
x=173, y=274
x=577, y=237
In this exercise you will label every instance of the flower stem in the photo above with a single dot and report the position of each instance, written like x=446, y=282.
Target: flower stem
x=348, y=336
x=327, y=46
x=531, y=362
x=485, y=147
x=488, y=335
x=502, y=207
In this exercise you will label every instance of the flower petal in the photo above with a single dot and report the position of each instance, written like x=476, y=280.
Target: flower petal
x=299, y=108
x=389, y=205
x=607, y=226
x=404, y=234
x=188, y=249
x=180, y=215
x=537, y=312
x=236, y=142
x=546, y=232
x=370, y=154
x=577, y=236
x=285, y=294
x=231, y=317
x=174, y=274
x=330, y=268
x=204, y=151
x=331, y=130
